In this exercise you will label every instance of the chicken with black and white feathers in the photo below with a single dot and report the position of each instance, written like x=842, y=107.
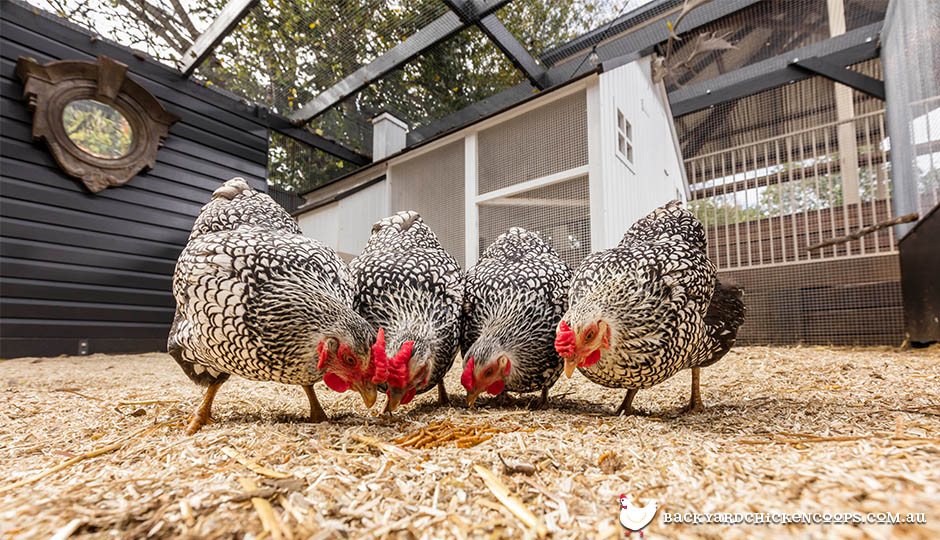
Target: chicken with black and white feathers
x=649, y=307
x=408, y=285
x=513, y=300
x=257, y=299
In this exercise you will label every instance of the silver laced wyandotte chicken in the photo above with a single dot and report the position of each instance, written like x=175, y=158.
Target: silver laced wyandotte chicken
x=408, y=285
x=648, y=308
x=257, y=299
x=513, y=300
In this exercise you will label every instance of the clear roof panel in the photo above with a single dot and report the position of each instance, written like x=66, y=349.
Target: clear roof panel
x=542, y=25
x=284, y=53
x=164, y=29
x=447, y=78
x=762, y=31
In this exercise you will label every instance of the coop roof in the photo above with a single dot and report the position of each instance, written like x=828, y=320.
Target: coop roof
x=324, y=69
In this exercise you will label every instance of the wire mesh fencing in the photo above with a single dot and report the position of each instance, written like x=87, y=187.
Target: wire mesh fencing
x=432, y=184
x=911, y=56
x=773, y=174
x=560, y=213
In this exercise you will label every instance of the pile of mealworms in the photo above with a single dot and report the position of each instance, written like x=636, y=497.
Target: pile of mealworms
x=444, y=432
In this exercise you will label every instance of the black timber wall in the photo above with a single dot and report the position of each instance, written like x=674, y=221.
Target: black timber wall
x=920, y=278
x=77, y=266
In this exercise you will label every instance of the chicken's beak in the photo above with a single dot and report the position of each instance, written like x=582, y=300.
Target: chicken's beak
x=395, y=396
x=570, y=364
x=367, y=391
x=472, y=396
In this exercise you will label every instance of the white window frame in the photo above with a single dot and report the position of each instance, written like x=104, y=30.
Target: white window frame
x=624, y=133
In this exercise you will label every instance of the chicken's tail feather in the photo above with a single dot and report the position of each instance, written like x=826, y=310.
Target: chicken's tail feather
x=725, y=314
x=231, y=189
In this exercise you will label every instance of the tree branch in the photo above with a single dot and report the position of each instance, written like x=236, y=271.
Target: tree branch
x=865, y=230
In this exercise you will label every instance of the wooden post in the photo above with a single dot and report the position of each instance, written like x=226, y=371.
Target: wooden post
x=471, y=210
x=845, y=110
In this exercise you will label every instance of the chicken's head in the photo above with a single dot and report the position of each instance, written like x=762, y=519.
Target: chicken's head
x=348, y=364
x=581, y=346
x=404, y=372
x=485, y=372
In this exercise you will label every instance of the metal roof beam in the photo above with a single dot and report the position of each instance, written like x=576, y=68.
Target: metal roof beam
x=283, y=125
x=228, y=19
x=435, y=32
x=841, y=74
x=644, y=37
x=845, y=49
x=517, y=54
x=504, y=40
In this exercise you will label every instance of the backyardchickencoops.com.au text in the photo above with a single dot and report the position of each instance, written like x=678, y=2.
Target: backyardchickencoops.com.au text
x=782, y=518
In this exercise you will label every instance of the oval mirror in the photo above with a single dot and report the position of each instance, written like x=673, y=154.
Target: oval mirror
x=97, y=128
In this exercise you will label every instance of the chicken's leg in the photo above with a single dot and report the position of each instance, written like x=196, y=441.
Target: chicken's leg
x=203, y=414
x=442, y=398
x=627, y=406
x=543, y=401
x=316, y=411
x=695, y=402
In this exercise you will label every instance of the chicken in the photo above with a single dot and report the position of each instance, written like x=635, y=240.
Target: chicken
x=640, y=312
x=256, y=299
x=513, y=301
x=406, y=283
x=634, y=518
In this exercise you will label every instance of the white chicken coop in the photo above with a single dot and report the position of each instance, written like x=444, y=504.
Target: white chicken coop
x=579, y=164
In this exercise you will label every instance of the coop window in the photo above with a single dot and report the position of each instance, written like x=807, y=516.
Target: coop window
x=624, y=139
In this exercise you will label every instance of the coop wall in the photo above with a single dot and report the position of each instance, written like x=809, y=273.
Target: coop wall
x=533, y=173
x=432, y=184
x=635, y=163
x=345, y=225
x=97, y=267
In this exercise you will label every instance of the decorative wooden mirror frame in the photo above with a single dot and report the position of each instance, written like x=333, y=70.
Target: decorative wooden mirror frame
x=49, y=88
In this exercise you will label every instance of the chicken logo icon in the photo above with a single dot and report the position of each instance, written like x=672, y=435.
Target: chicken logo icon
x=635, y=518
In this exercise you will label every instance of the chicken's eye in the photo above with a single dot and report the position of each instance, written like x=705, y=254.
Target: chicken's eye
x=590, y=335
x=350, y=360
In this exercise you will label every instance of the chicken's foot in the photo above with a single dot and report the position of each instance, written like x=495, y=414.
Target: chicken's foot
x=203, y=414
x=316, y=411
x=695, y=402
x=627, y=406
x=442, y=398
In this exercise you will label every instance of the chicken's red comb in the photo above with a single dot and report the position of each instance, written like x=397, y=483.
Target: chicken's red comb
x=378, y=368
x=564, y=340
x=466, y=379
x=398, y=366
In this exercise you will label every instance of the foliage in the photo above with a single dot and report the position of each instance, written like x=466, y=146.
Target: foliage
x=97, y=128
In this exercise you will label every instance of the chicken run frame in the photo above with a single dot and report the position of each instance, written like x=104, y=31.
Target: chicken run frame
x=772, y=153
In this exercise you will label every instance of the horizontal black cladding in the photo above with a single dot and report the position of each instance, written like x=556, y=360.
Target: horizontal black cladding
x=77, y=267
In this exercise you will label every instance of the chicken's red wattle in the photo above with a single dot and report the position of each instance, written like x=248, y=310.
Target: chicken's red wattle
x=496, y=387
x=591, y=359
x=335, y=382
x=409, y=395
